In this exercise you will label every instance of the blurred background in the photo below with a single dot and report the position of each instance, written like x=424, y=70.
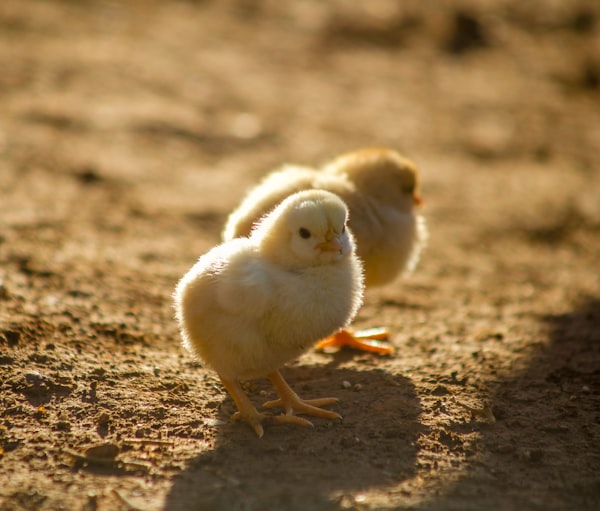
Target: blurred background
x=214, y=94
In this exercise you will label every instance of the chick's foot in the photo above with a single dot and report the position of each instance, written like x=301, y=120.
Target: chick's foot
x=371, y=340
x=249, y=414
x=292, y=403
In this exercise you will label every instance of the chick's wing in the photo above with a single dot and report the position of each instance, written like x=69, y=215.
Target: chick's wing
x=243, y=286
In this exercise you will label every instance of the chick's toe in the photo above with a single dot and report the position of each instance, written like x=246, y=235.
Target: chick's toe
x=292, y=403
x=372, y=340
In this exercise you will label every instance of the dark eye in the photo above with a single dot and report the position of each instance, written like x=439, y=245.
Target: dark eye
x=304, y=233
x=409, y=189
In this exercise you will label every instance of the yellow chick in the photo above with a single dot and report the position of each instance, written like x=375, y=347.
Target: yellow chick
x=381, y=190
x=253, y=303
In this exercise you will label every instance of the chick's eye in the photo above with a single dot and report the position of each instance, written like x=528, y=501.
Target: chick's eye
x=408, y=189
x=304, y=233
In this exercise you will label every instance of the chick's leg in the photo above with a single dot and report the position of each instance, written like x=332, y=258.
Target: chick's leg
x=246, y=410
x=291, y=402
x=371, y=340
x=248, y=413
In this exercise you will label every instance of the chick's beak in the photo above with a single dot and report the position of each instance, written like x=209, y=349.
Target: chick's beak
x=332, y=245
x=418, y=199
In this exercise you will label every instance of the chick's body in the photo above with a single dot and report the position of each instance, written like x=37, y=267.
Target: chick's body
x=247, y=316
x=252, y=304
x=381, y=189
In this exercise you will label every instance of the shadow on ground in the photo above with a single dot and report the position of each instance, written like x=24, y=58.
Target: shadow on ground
x=245, y=473
x=546, y=411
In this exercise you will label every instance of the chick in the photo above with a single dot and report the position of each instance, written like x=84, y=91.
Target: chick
x=253, y=303
x=381, y=189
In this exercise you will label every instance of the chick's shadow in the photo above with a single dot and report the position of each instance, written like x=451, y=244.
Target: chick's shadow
x=547, y=415
x=320, y=468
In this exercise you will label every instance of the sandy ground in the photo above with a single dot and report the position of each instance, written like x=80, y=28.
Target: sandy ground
x=129, y=130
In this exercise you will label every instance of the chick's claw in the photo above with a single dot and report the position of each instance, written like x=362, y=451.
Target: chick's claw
x=254, y=420
x=371, y=340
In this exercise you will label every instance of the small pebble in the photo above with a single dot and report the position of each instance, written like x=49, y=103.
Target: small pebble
x=63, y=425
x=533, y=455
x=505, y=448
x=103, y=419
x=346, y=384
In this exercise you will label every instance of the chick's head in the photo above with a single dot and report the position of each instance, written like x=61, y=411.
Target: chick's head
x=382, y=174
x=306, y=229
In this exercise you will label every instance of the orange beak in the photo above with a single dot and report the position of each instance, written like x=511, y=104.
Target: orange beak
x=332, y=245
x=418, y=199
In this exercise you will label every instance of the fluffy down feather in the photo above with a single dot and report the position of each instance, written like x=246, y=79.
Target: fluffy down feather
x=251, y=304
x=381, y=190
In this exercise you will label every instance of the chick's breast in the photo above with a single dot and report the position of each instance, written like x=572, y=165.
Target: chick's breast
x=313, y=303
x=244, y=316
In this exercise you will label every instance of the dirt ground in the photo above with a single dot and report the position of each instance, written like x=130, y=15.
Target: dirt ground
x=129, y=130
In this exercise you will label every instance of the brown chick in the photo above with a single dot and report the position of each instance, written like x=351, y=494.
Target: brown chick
x=381, y=189
x=253, y=303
